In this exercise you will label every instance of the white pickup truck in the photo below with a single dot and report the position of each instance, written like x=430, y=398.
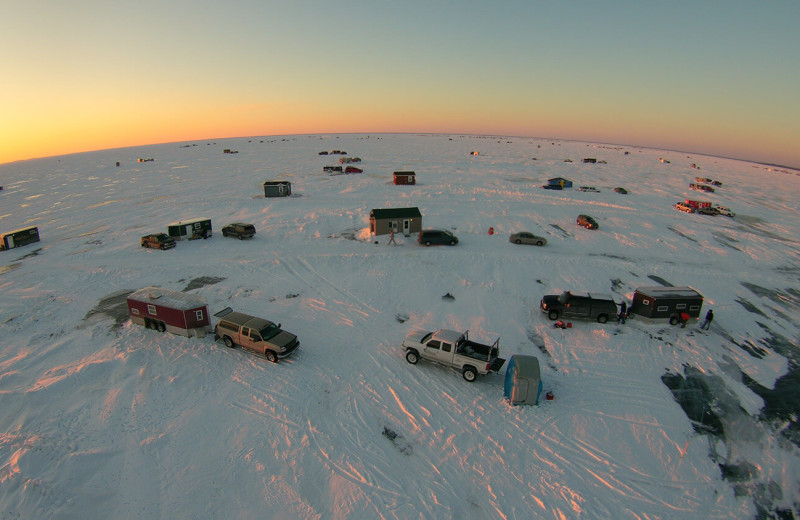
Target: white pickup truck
x=453, y=349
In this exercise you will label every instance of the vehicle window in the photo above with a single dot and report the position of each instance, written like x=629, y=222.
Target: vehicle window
x=254, y=335
x=270, y=331
x=229, y=326
x=446, y=347
x=434, y=344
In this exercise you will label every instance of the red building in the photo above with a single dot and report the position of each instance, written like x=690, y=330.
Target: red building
x=405, y=178
x=172, y=311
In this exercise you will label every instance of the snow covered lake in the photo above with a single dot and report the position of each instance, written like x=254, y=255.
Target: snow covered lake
x=101, y=418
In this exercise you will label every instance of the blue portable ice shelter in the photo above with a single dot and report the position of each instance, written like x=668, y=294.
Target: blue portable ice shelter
x=523, y=383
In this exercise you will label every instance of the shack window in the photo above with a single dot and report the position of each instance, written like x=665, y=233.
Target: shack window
x=694, y=307
x=434, y=344
x=680, y=306
x=135, y=311
x=645, y=302
x=151, y=309
x=662, y=308
x=198, y=315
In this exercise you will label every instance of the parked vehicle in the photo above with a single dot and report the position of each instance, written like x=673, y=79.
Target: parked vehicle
x=429, y=237
x=682, y=206
x=701, y=187
x=239, y=230
x=332, y=168
x=587, y=222
x=589, y=188
x=696, y=204
x=621, y=190
x=594, y=306
x=18, y=238
x=158, y=241
x=724, y=211
x=525, y=237
x=353, y=169
x=708, y=210
x=453, y=349
x=253, y=334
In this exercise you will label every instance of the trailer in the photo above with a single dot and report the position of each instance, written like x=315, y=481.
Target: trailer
x=666, y=303
x=190, y=229
x=170, y=311
x=18, y=238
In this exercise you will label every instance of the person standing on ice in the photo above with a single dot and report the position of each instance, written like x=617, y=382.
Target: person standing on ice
x=623, y=312
x=709, y=318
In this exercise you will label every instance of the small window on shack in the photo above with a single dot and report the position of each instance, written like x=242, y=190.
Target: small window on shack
x=662, y=308
x=680, y=306
x=645, y=302
x=135, y=311
x=694, y=307
x=151, y=309
x=198, y=315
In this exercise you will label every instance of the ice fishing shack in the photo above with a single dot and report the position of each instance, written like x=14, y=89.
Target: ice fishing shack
x=523, y=383
x=190, y=229
x=20, y=237
x=666, y=302
x=171, y=311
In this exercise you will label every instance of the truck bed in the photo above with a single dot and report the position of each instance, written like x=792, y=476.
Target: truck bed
x=474, y=350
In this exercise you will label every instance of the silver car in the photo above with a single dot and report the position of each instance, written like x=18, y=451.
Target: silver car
x=524, y=237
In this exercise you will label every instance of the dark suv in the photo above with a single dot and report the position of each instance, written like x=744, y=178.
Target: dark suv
x=158, y=241
x=239, y=230
x=437, y=236
x=587, y=222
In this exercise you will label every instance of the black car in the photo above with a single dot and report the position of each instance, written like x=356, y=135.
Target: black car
x=437, y=236
x=600, y=307
x=587, y=222
x=239, y=230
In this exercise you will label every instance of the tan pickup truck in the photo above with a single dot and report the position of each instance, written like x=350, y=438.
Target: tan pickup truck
x=253, y=334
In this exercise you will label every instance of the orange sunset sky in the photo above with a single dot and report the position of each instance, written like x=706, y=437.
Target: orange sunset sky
x=709, y=77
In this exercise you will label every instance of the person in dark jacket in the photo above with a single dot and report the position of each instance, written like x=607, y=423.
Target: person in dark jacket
x=709, y=318
x=623, y=312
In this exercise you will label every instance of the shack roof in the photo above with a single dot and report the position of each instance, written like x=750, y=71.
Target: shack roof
x=172, y=299
x=395, y=213
x=190, y=221
x=669, y=292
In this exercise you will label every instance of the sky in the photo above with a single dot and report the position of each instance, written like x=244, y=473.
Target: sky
x=713, y=77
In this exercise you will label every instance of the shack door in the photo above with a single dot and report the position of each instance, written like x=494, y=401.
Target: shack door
x=10, y=241
x=406, y=227
x=519, y=392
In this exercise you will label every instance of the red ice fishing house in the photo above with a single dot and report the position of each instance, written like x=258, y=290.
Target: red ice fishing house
x=171, y=311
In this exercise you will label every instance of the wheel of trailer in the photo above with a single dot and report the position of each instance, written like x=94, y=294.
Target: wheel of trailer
x=469, y=373
x=162, y=327
x=271, y=356
x=228, y=341
x=148, y=324
x=674, y=320
x=412, y=357
x=553, y=315
x=602, y=318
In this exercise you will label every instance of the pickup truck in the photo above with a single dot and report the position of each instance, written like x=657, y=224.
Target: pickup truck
x=454, y=349
x=158, y=241
x=592, y=306
x=256, y=335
